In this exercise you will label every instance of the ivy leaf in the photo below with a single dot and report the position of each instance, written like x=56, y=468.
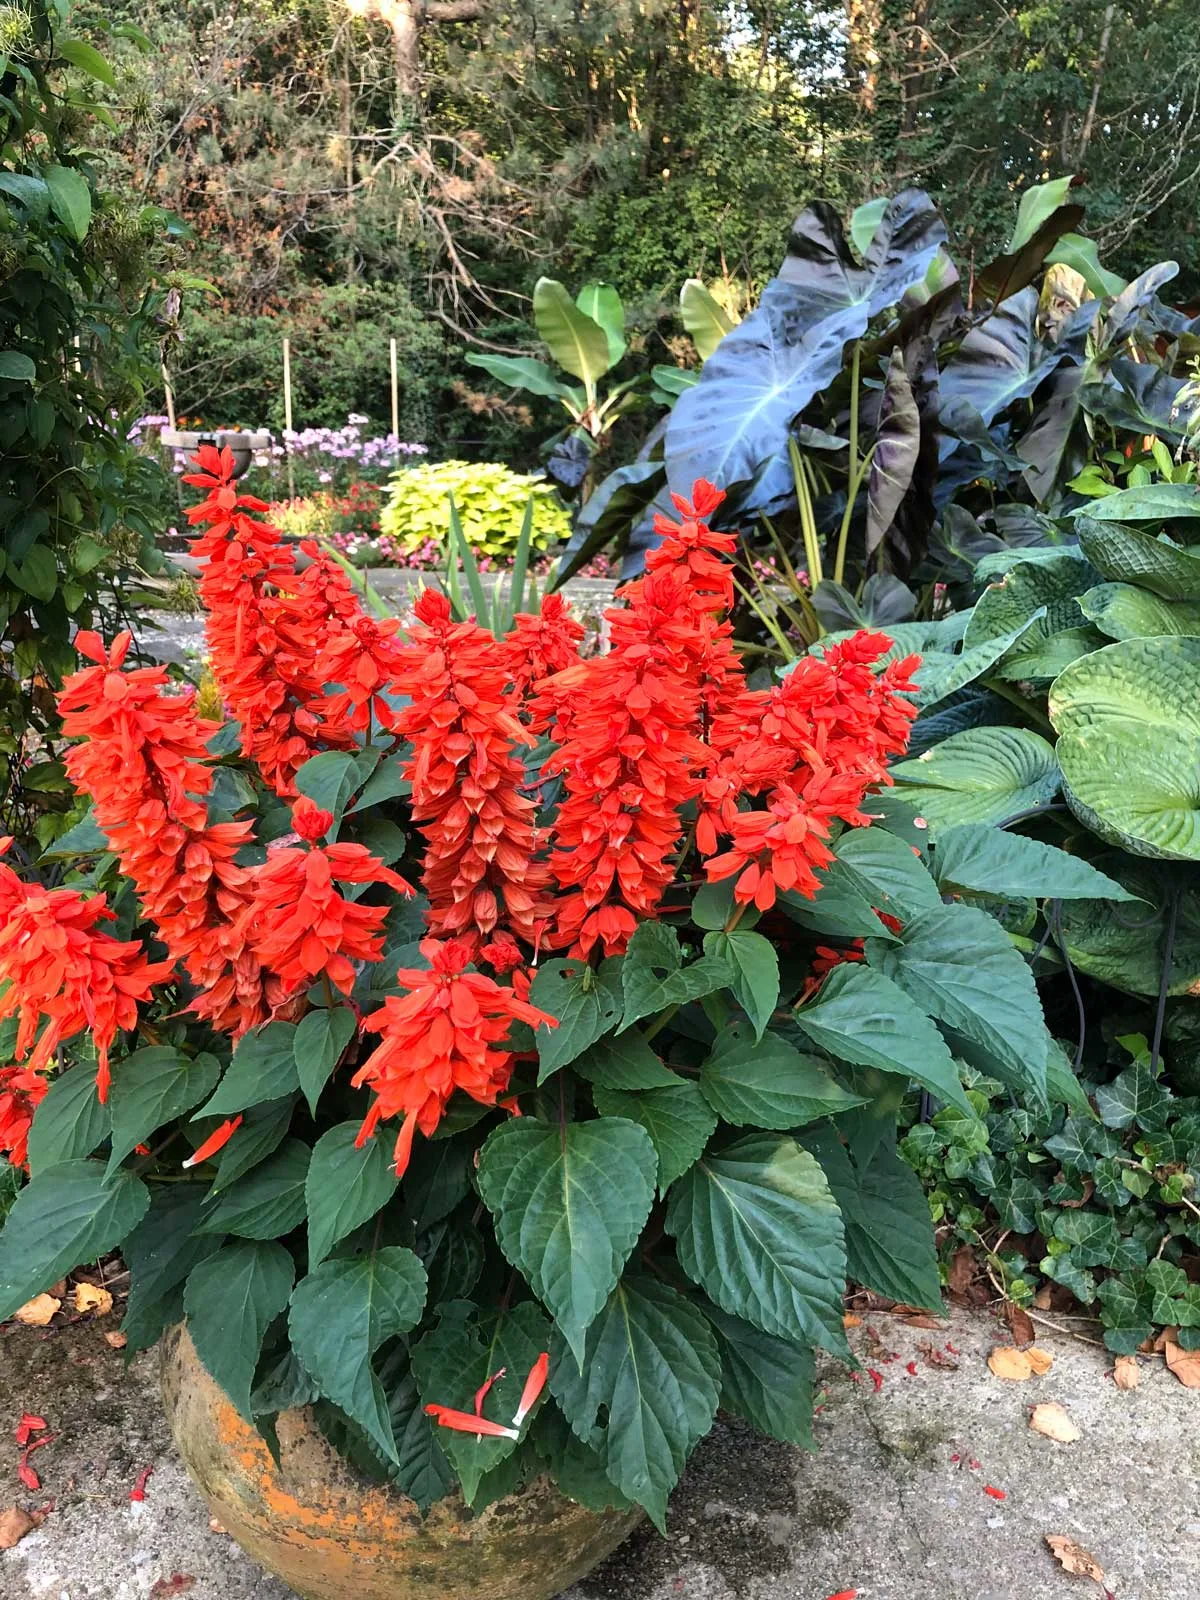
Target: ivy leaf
x=768, y=1083
x=70, y=1121
x=653, y=976
x=959, y=964
x=268, y=1202
x=569, y=1204
x=1125, y=1319
x=231, y=1299
x=861, y=1016
x=151, y=1087
x=766, y=1381
x=1135, y=1095
x=755, y=966
x=317, y=1044
x=889, y=1231
x=586, y=1001
x=341, y=1313
x=651, y=1366
x=1096, y=1240
x=758, y=1229
x=678, y=1119
x=344, y=1186
x=65, y=1215
x=624, y=1061
x=263, y=1068
x=457, y=1357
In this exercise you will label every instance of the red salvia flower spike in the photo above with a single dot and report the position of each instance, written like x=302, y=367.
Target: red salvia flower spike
x=534, y=1385
x=465, y=1422
x=215, y=1141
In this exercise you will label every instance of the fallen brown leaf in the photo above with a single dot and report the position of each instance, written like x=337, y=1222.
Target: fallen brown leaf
x=88, y=1297
x=962, y=1271
x=1185, y=1364
x=1019, y=1324
x=1073, y=1558
x=1040, y=1360
x=118, y=1340
x=1041, y=1299
x=1051, y=1419
x=925, y=1319
x=215, y=1527
x=851, y=1321
x=14, y=1525
x=1126, y=1372
x=177, y=1583
x=1011, y=1364
x=36, y=1313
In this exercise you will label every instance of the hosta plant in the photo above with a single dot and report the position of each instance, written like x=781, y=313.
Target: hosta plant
x=495, y=1050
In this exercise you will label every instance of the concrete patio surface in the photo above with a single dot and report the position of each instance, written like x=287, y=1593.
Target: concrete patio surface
x=894, y=1505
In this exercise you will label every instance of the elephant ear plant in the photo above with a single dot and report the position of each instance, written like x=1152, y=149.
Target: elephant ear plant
x=530, y=1169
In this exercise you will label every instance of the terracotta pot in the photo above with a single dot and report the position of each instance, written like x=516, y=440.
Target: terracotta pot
x=315, y=1523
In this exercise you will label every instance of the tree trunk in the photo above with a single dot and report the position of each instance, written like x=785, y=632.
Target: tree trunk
x=1089, y=121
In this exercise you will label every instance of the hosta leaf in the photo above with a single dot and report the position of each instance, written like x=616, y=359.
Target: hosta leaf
x=889, y=1231
x=569, y=1205
x=345, y=1186
x=319, y=1041
x=755, y=966
x=979, y=775
x=940, y=676
x=65, y=1215
x=1128, y=720
x=653, y=976
x=151, y=1087
x=994, y=862
x=758, y=1229
x=1123, y=611
x=768, y=1083
x=678, y=1119
x=341, y=1313
x=1129, y=556
x=586, y=1001
x=1151, y=502
x=958, y=963
x=70, y=1122
x=767, y=1381
x=231, y=1299
x=861, y=1016
x=1125, y=945
x=268, y=1202
x=263, y=1068
x=652, y=1368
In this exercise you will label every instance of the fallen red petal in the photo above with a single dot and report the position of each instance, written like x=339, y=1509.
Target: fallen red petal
x=911, y=1369
x=534, y=1384
x=464, y=1422
x=138, y=1492
x=481, y=1392
x=27, y=1475
x=876, y=1378
x=845, y=1594
x=996, y=1494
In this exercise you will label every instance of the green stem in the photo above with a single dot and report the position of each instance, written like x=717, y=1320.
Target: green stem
x=808, y=525
x=660, y=1022
x=1016, y=698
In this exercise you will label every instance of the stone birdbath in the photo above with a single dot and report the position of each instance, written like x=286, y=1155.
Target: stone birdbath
x=243, y=444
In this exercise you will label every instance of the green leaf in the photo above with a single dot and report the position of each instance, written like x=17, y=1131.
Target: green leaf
x=678, y=1119
x=1074, y=251
x=37, y=573
x=331, y=778
x=1129, y=556
x=1128, y=720
x=341, y=1313
x=706, y=320
x=1038, y=205
x=758, y=1229
x=990, y=861
x=624, y=1061
x=88, y=59
x=1096, y=1240
x=345, y=1186
x=423, y=1472
x=1134, y=1096
x=886, y=871
x=70, y=1122
x=766, y=1381
x=522, y=372
x=455, y=1359
x=151, y=1087
x=755, y=966
x=385, y=783
x=1152, y=502
x=979, y=775
x=767, y=1083
x=653, y=976
x=1123, y=611
x=602, y=303
x=65, y=1215
x=960, y=966
x=262, y=1131
x=889, y=1231
x=573, y=339
x=861, y=1016
x=263, y=1068
x=652, y=1369
x=865, y=220
x=160, y=1252
x=16, y=368
x=268, y=1202
x=231, y=1299
x=942, y=675
x=319, y=1041
x=569, y=1205
x=70, y=199
x=586, y=1001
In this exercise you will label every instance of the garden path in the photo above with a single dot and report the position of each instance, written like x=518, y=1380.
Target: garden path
x=895, y=1506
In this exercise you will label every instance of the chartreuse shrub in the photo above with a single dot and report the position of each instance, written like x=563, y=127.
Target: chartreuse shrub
x=490, y=501
x=606, y=1112
x=1060, y=713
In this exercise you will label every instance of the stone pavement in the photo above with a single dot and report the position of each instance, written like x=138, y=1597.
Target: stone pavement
x=893, y=1505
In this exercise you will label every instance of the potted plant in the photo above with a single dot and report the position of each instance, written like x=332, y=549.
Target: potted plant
x=485, y=1059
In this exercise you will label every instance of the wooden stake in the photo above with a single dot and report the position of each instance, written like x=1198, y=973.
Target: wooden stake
x=170, y=397
x=287, y=415
x=395, y=397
